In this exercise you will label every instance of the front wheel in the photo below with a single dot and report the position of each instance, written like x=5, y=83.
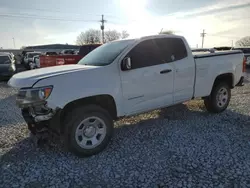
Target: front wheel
x=219, y=98
x=88, y=130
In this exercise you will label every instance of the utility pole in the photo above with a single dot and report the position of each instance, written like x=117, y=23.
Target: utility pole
x=161, y=30
x=102, y=28
x=14, y=42
x=232, y=43
x=203, y=34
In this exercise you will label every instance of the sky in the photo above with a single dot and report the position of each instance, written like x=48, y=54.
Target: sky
x=33, y=22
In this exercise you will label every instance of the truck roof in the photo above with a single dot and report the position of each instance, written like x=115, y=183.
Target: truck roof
x=162, y=36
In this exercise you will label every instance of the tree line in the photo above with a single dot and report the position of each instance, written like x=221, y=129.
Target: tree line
x=93, y=36
x=244, y=42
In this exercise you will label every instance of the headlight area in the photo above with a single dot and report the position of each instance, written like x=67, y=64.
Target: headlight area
x=29, y=97
x=33, y=103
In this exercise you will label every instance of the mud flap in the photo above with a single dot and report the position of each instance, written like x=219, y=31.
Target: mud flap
x=240, y=83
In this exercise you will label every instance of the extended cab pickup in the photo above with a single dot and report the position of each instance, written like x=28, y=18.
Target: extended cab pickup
x=123, y=78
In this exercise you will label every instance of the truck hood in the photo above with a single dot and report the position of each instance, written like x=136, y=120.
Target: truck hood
x=29, y=78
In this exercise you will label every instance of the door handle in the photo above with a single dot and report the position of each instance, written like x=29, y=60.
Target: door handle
x=165, y=71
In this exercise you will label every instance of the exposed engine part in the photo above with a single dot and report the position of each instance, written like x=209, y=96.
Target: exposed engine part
x=44, y=117
x=41, y=113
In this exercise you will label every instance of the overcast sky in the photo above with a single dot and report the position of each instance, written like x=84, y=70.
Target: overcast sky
x=223, y=20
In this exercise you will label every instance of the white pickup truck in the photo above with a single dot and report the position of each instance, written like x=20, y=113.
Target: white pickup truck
x=122, y=78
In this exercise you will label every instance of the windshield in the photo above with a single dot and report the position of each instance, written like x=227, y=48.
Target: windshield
x=105, y=54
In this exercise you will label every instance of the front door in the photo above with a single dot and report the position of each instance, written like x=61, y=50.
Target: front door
x=149, y=84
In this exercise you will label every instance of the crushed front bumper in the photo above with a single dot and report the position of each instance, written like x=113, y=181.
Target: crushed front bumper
x=38, y=119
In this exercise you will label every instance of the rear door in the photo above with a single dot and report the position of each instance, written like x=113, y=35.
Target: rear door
x=149, y=84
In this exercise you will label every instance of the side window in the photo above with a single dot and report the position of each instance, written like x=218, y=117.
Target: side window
x=144, y=54
x=172, y=49
x=157, y=51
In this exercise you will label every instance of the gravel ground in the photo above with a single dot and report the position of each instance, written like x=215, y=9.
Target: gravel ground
x=181, y=146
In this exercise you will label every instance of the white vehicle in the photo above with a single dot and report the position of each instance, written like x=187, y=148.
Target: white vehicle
x=123, y=78
x=29, y=58
x=10, y=54
x=35, y=62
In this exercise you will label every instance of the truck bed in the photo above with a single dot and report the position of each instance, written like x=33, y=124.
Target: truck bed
x=217, y=53
x=227, y=62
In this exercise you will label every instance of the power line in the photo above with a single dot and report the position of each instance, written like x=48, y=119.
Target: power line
x=53, y=11
x=223, y=36
x=33, y=16
x=44, y=18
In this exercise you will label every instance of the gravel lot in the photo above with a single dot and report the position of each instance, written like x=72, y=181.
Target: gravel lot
x=181, y=146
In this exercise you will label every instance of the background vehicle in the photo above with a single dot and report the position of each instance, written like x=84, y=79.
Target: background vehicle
x=123, y=78
x=68, y=56
x=246, y=52
x=66, y=52
x=11, y=55
x=23, y=54
x=7, y=66
x=35, y=62
x=29, y=58
x=50, y=53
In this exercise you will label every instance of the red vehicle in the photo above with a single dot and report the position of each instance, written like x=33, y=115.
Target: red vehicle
x=53, y=60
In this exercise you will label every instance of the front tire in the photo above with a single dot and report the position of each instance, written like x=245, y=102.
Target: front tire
x=88, y=130
x=219, y=98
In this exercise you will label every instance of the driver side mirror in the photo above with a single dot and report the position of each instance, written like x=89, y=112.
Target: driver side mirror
x=126, y=64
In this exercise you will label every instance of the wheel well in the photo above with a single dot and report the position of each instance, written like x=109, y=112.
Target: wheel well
x=105, y=101
x=227, y=77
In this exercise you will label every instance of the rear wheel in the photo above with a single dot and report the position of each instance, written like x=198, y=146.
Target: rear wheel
x=88, y=130
x=219, y=98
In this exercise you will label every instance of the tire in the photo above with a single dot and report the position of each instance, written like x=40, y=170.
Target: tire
x=219, y=98
x=86, y=125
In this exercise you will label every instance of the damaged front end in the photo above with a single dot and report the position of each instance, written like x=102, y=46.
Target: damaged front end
x=35, y=111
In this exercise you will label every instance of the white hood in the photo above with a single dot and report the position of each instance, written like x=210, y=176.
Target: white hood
x=29, y=78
